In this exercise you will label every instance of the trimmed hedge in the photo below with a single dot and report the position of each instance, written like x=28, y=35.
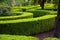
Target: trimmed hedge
x=46, y=6
x=19, y=15
x=50, y=6
x=52, y=38
x=19, y=8
x=28, y=26
x=37, y=13
x=16, y=37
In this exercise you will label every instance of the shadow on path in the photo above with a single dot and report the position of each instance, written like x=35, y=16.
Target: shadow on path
x=45, y=35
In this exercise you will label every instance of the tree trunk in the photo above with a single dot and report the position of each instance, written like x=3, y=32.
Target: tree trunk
x=52, y=1
x=13, y=2
x=57, y=28
x=34, y=2
x=42, y=4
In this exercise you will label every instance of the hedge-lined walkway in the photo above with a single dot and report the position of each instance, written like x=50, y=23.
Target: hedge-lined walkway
x=45, y=35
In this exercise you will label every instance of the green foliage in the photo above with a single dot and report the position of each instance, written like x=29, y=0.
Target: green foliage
x=28, y=26
x=51, y=38
x=16, y=37
x=5, y=11
x=1, y=0
x=17, y=15
x=37, y=13
x=50, y=6
x=20, y=8
x=47, y=6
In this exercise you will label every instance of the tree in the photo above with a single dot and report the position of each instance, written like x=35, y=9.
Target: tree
x=5, y=10
x=35, y=2
x=57, y=28
x=13, y=2
x=42, y=3
x=1, y=0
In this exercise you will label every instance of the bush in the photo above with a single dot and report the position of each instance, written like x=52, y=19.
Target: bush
x=37, y=13
x=20, y=8
x=51, y=38
x=16, y=37
x=17, y=15
x=51, y=6
x=28, y=26
x=5, y=11
x=47, y=6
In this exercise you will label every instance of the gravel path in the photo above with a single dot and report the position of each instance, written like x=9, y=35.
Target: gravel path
x=45, y=35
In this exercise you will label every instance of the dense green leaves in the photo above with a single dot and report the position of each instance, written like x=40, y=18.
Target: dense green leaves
x=29, y=26
x=52, y=38
x=16, y=37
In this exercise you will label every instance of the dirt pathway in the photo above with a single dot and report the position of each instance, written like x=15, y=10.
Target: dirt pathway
x=45, y=35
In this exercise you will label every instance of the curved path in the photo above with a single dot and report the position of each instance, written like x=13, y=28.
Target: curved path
x=45, y=35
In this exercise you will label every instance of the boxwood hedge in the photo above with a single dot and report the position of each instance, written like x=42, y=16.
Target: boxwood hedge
x=37, y=13
x=28, y=26
x=19, y=8
x=18, y=15
x=52, y=38
x=16, y=37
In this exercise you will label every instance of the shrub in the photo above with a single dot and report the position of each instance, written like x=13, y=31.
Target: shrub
x=28, y=26
x=51, y=38
x=37, y=13
x=47, y=6
x=16, y=37
x=5, y=11
x=21, y=8
x=18, y=15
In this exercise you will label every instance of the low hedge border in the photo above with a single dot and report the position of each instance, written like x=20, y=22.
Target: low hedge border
x=19, y=8
x=16, y=37
x=22, y=16
x=28, y=26
x=37, y=13
x=51, y=38
x=47, y=6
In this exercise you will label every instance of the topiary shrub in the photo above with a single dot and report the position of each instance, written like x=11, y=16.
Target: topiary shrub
x=16, y=37
x=38, y=13
x=51, y=38
x=28, y=26
x=18, y=15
